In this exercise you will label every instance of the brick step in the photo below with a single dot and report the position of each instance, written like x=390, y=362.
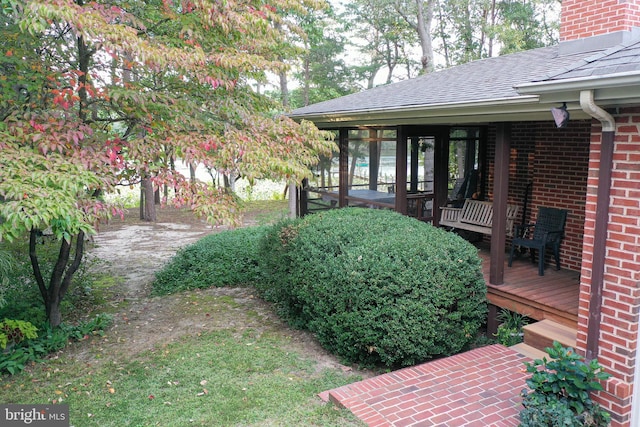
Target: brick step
x=542, y=334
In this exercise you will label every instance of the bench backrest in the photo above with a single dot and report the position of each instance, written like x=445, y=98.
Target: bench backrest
x=477, y=212
x=480, y=213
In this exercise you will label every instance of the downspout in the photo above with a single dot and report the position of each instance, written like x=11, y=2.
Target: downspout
x=601, y=220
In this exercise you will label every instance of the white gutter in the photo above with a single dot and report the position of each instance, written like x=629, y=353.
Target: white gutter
x=589, y=106
x=627, y=79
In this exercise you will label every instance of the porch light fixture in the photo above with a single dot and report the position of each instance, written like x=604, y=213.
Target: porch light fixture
x=560, y=115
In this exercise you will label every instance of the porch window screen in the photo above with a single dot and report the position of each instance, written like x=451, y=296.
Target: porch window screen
x=464, y=164
x=372, y=160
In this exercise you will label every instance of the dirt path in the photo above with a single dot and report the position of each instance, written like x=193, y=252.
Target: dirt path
x=134, y=251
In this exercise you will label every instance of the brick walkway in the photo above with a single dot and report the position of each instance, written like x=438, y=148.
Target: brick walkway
x=479, y=388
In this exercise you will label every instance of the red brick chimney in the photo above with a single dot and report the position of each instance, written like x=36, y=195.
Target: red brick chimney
x=586, y=18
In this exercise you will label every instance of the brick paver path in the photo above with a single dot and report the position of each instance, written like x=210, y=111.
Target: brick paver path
x=479, y=388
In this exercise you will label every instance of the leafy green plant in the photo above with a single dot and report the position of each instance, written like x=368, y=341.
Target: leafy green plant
x=33, y=349
x=15, y=331
x=512, y=319
x=374, y=286
x=228, y=258
x=6, y=265
x=510, y=328
x=508, y=336
x=560, y=391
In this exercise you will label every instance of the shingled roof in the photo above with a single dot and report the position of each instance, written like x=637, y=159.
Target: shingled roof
x=487, y=89
x=623, y=58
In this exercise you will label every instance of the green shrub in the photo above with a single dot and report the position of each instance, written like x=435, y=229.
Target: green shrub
x=223, y=259
x=33, y=349
x=560, y=391
x=375, y=286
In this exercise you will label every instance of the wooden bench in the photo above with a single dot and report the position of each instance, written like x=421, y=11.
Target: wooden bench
x=477, y=216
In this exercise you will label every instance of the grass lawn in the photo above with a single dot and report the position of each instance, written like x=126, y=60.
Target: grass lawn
x=225, y=377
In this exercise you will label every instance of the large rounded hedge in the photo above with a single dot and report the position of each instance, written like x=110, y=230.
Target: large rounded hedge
x=376, y=287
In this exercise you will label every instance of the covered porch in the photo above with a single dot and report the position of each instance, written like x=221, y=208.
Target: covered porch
x=416, y=170
x=554, y=296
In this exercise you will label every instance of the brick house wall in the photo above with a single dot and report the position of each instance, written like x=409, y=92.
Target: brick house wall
x=621, y=286
x=585, y=18
x=555, y=162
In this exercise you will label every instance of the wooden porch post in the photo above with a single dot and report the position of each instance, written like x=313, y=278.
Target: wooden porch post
x=600, y=243
x=500, y=193
x=401, y=170
x=440, y=172
x=414, y=164
x=343, y=167
x=374, y=158
x=303, y=200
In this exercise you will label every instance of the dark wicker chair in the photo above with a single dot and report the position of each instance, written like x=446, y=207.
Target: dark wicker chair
x=548, y=231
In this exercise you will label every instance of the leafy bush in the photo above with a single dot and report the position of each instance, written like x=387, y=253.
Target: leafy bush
x=15, y=331
x=560, y=391
x=375, y=286
x=223, y=259
x=50, y=340
x=510, y=328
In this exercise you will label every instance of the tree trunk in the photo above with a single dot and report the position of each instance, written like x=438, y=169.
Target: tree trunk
x=307, y=77
x=61, y=275
x=149, y=211
x=284, y=89
x=425, y=19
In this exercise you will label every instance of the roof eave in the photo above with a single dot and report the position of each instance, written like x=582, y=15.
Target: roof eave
x=618, y=89
x=521, y=108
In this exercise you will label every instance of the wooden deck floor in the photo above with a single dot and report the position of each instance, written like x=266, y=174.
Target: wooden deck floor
x=553, y=296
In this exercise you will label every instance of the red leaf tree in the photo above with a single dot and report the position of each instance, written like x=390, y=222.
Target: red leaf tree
x=97, y=94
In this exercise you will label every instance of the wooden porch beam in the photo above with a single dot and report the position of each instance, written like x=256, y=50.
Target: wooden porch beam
x=500, y=195
x=343, y=167
x=600, y=243
x=414, y=164
x=374, y=157
x=440, y=172
x=401, y=169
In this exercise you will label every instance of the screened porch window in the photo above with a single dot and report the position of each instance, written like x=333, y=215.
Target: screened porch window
x=465, y=164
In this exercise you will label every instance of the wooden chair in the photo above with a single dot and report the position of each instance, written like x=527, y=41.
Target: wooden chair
x=547, y=231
